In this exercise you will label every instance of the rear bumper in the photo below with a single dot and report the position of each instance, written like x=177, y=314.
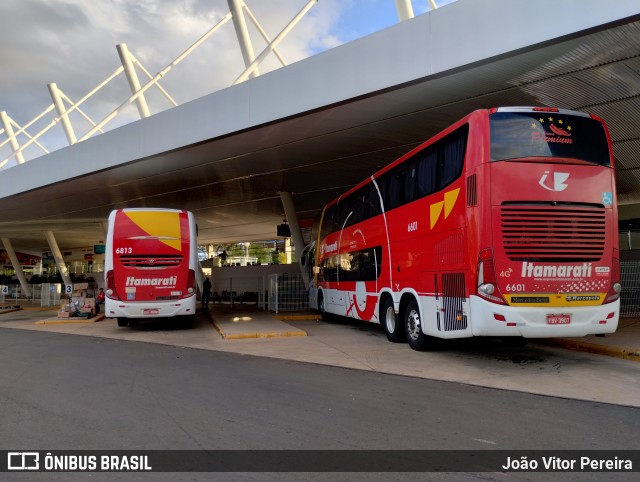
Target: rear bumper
x=532, y=322
x=123, y=309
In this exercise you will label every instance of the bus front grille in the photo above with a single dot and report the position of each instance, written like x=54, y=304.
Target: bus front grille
x=554, y=232
x=159, y=261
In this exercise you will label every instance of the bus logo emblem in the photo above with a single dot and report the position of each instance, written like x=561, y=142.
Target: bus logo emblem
x=559, y=179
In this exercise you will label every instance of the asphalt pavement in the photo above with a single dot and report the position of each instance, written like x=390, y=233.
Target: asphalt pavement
x=573, y=368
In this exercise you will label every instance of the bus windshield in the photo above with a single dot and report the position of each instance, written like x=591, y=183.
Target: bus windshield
x=518, y=135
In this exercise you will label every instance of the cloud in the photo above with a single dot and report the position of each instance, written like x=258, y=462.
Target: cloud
x=73, y=43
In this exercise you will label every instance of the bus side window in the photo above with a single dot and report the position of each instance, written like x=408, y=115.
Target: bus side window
x=427, y=167
x=356, y=208
x=373, y=201
x=451, y=158
x=409, y=184
x=329, y=269
x=393, y=183
x=328, y=222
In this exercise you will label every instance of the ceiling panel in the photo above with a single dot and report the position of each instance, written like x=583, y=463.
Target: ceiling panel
x=232, y=184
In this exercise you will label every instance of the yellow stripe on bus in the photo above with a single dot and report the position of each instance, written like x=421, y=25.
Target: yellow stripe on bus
x=435, y=209
x=551, y=299
x=163, y=225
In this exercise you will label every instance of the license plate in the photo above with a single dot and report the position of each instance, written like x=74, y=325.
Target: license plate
x=151, y=311
x=558, y=319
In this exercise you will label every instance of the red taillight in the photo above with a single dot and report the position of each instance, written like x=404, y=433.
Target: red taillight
x=487, y=286
x=191, y=282
x=614, y=287
x=111, y=286
x=545, y=109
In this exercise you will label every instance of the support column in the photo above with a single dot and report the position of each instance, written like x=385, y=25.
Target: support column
x=62, y=113
x=62, y=268
x=26, y=288
x=404, y=9
x=235, y=7
x=296, y=232
x=132, y=77
x=8, y=130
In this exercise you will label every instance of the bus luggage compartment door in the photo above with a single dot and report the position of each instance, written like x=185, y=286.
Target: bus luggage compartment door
x=453, y=302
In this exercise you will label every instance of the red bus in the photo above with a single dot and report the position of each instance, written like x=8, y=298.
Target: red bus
x=504, y=224
x=151, y=258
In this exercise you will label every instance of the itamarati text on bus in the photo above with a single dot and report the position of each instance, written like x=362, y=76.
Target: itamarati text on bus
x=151, y=258
x=504, y=224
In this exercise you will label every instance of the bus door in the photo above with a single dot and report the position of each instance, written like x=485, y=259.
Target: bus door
x=310, y=273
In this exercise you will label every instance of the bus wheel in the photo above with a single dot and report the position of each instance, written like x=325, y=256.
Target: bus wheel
x=413, y=327
x=122, y=321
x=515, y=341
x=188, y=321
x=323, y=311
x=392, y=328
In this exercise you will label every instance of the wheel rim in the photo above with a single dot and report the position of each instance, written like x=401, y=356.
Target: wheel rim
x=413, y=325
x=390, y=320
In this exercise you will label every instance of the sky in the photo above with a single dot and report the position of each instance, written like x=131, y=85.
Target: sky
x=73, y=43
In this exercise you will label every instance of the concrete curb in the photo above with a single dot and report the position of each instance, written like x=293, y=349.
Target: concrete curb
x=298, y=317
x=271, y=334
x=63, y=321
x=68, y=321
x=9, y=309
x=613, y=351
x=213, y=323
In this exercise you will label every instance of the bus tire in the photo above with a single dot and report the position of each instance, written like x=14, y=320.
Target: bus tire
x=392, y=327
x=515, y=341
x=413, y=327
x=123, y=321
x=321, y=307
x=188, y=321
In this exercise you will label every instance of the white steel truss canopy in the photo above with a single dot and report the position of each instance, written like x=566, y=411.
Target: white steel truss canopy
x=319, y=126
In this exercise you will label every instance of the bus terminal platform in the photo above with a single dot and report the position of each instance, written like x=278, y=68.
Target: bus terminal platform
x=624, y=343
x=241, y=322
x=591, y=368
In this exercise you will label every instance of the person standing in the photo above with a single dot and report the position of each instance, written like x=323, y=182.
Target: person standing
x=206, y=293
x=99, y=299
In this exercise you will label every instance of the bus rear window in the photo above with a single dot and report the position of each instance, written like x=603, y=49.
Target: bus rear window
x=517, y=135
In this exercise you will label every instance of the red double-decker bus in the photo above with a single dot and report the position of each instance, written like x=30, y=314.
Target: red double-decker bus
x=151, y=258
x=504, y=224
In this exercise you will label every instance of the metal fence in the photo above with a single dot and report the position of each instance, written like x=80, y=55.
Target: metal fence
x=45, y=294
x=630, y=295
x=287, y=293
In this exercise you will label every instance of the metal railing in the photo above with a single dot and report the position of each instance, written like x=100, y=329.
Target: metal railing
x=287, y=292
x=45, y=294
x=245, y=291
x=630, y=294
